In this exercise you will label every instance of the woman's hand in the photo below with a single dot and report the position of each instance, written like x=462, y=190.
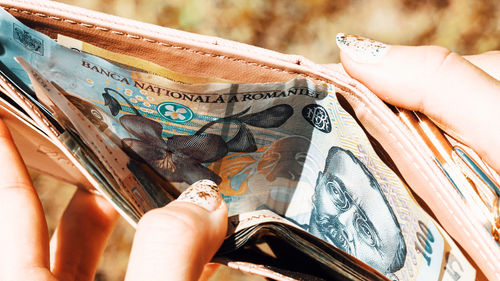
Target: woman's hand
x=176, y=241
x=172, y=243
x=461, y=94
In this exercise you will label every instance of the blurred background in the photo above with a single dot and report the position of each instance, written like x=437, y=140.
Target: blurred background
x=307, y=28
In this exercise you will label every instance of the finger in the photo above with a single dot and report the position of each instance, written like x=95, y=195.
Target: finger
x=80, y=237
x=176, y=241
x=489, y=62
x=460, y=97
x=24, y=235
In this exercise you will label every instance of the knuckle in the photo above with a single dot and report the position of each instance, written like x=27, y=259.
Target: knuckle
x=437, y=61
x=438, y=58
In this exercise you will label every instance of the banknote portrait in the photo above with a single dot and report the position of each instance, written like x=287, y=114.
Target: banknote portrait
x=351, y=212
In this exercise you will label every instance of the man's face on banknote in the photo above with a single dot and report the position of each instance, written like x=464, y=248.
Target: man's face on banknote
x=350, y=212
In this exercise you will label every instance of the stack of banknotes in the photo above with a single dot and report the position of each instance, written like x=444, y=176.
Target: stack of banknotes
x=287, y=157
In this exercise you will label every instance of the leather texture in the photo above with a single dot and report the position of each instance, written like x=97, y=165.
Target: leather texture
x=213, y=57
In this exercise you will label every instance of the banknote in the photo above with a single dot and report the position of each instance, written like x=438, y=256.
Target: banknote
x=139, y=191
x=288, y=148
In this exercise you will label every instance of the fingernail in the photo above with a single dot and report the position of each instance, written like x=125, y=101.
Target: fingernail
x=361, y=49
x=204, y=193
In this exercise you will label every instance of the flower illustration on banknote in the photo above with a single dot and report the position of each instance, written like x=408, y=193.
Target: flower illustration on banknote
x=180, y=158
x=176, y=158
x=113, y=104
x=173, y=113
x=244, y=140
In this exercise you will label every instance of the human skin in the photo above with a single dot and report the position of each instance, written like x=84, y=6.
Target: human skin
x=461, y=94
x=170, y=242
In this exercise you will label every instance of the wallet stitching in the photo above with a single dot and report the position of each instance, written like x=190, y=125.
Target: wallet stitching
x=132, y=36
x=30, y=105
x=95, y=18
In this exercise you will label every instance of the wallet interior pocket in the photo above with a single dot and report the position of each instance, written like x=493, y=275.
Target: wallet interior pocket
x=204, y=60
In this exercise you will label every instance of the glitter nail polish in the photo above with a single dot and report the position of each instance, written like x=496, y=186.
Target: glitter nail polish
x=360, y=49
x=204, y=193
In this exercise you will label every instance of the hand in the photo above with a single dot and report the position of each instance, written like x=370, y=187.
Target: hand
x=172, y=243
x=461, y=94
x=176, y=241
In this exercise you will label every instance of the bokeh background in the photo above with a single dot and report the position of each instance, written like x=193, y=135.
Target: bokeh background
x=303, y=27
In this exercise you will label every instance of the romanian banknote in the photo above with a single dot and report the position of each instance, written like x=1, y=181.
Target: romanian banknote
x=132, y=187
x=288, y=148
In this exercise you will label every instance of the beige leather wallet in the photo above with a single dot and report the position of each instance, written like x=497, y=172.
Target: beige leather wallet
x=206, y=56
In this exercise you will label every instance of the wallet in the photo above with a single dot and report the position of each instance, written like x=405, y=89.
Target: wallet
x=206, y=56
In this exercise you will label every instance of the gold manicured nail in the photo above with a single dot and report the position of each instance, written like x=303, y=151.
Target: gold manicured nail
x=361, y=49
x=204, y=193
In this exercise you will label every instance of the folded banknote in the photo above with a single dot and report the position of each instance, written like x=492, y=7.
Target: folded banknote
x=287, y=153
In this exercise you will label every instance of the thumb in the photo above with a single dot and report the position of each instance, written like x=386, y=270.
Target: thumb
x=461, y=98
x=176, y=241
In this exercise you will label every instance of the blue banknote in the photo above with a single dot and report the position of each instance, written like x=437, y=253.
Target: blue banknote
x=289, y=148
